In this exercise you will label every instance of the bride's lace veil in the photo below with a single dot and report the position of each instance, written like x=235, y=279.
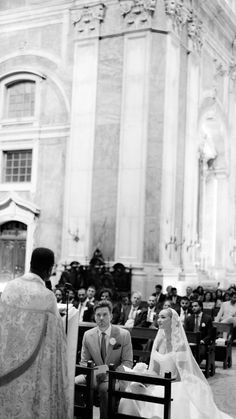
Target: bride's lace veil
x=195, y=383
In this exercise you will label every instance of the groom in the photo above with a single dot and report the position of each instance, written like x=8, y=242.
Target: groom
x=105, y=344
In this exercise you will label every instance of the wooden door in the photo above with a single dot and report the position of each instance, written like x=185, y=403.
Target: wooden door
x=12, y=250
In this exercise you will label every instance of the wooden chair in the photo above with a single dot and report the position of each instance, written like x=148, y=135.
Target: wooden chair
x=84, y=393
x=224, y=352
x=194, y=339
x=146, y=337
x=116, y=395
x=194, y=343
x=83, y=327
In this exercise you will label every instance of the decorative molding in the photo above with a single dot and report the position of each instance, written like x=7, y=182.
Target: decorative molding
x=178, y=13
x=232, y=70
x=19, y=202
x=220, y=68
x=195, y=31
x=137, y=12
x=87, y=20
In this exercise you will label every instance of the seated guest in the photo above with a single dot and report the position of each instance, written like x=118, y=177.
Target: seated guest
x=160, y=298
x=189, y=293
x=200, y=291
x=175, y=298
x=195, y=296
x=226, y=296
x=227, y=312
x=168, y=294
x=72, y=297
x=185, y=310
x=152, y=312
x=91, y=292
x=105, y=344
x=106, y=295
x=208, y=300
x=218, y=298
x=58, y=295
x=134, y=315
x=200, y=322
x=84, y=307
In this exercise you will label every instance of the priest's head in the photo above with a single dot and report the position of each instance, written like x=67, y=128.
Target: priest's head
x=42, y=261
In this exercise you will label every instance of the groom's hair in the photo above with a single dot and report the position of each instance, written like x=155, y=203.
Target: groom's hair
x=102, y=304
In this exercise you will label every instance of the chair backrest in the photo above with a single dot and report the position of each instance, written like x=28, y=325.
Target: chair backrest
x=145, y=337
x=114, y=395
x=224, y=330
x=83, y=403
x=209, y=312
x=194, y=343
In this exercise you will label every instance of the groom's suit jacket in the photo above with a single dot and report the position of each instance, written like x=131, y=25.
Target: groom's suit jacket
x=120, y=353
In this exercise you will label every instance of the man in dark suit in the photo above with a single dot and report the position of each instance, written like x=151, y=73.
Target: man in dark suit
x=105, y=344
x=160, y=297
x=84, y=307
x=134, y=314
x=152, y=312
x=185, y=310
x=200, y=322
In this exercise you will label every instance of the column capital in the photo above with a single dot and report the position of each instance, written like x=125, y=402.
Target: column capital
x=195, y=31
x=87, y=19
x=137, y=13
x=177, y=12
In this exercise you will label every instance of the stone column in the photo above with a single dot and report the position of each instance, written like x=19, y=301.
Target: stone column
x=191, y=182
x=76, y=229
x=137, y=18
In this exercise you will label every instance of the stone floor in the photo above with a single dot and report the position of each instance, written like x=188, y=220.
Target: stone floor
x=223, y=385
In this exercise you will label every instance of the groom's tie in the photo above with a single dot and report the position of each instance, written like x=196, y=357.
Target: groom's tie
x=103, y=347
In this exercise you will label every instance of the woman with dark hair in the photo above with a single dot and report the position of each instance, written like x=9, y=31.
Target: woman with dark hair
x=200, y=291
x=208, y=300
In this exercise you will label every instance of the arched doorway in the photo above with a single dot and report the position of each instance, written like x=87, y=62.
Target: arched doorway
x=12, y=249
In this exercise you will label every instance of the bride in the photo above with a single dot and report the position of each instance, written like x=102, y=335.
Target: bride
x=191, y=393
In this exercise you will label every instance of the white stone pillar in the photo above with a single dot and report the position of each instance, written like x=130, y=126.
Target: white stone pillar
x=170, y=137
x=132, y=161
x=81, y=144
x=191, y=177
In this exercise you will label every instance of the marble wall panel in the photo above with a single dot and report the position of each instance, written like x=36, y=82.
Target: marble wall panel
x=180, y=153
x=106, y=147
x=49, y=196
x=47, y=37
x=154, y=148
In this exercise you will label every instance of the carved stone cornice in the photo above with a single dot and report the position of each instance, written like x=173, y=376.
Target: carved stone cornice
x=195, y=31
x=177, y=12
x=88, y=19
x=137, y=13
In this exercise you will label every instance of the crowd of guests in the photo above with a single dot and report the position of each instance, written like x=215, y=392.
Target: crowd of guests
x=134, y=311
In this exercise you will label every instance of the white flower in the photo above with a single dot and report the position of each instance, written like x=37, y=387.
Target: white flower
x=112, y=341
x=203, y=325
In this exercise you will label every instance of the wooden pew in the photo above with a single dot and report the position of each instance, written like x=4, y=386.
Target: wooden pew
x=116, y=395
x=194, y=339
x=83, y=401
x=224, y=353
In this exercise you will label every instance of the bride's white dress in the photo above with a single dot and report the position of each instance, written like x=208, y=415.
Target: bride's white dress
x=191, y=393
